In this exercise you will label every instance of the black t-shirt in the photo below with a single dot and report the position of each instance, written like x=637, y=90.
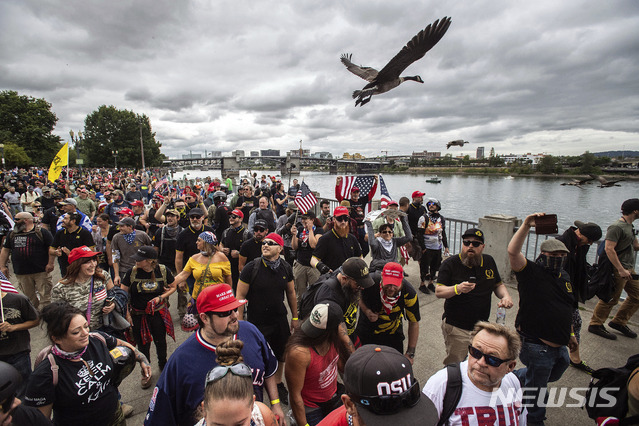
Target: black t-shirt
x=304, y=250
x=546, y=304
x=280, y=209
x=29, y=252
x=221, y=220
x=45, y=202
x=358, y=209
x=576, y=265
x=465, y=309
x=333, y=250
x=63, y=238
x=407, y=305
x=142, y=289
x=16, y=309
x=50, y=218
x=25, y=415
x=113, y=229
x=166, y=245
x=233, y=238
x=251, y=249
x=331, y=289
x=251, y=203
x=150, y=218
x=266, y=290
x=414, y=213
x=187, y=239
x=79, y=398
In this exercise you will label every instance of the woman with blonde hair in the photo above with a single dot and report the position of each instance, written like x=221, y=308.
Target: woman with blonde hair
x=228, y=392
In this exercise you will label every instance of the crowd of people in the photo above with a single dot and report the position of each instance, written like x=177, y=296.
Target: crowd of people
x=324, y=329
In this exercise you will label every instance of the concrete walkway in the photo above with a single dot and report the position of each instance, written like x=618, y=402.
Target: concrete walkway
x=596, y=351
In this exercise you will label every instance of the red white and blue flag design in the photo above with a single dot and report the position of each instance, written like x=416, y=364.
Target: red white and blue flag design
x=305, y=199
x=366, y=184
x=6, y=286
x=386, y=198
x=101, y=293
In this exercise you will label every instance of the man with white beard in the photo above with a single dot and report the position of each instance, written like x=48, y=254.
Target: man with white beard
x=467, y=282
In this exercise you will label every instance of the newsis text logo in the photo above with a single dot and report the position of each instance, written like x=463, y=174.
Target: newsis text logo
x=558, y=397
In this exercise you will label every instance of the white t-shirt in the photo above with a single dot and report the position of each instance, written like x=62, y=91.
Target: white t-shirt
x=478, y=407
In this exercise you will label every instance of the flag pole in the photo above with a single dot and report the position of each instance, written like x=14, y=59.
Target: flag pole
x=1, y=308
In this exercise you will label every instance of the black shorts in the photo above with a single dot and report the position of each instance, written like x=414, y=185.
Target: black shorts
x=276, y=333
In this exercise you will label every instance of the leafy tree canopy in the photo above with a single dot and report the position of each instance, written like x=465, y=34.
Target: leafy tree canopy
x=28, y=123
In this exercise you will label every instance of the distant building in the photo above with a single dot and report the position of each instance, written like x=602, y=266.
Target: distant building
x=492, y=151
x=191, y=156
x=426, y=155
x=480, y=152
x=322, y=154
x=270, y=152
x=214, y=154
x=295, y=153
x=238, y=153
x=255, y=153
x=528, y=158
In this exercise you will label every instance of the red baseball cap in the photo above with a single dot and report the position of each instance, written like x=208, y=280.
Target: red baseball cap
x=217, y=298
x=137, y=203
x=237, y=212
x=275, y=237
x=393, y=203
x=354, y=189
x=418, y=194
x=341, y=211
x=80, y=252
x=125, y=211
x=393, y=273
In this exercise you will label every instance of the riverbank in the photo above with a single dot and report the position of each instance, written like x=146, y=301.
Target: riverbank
x=498, y=171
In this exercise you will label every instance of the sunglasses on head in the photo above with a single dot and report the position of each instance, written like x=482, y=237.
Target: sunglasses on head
x=224, y=314
x=218, y=372
x=491, y=360
x=390, y=404
x=270, y=243
x=195, y=216
x=474, y=243
x=342, y=218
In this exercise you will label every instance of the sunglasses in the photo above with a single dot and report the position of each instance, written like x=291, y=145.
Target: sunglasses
x=474, y=243
x=218, y=372
x=224, y=314
x=386, y=232
x=342, y=218
x=491, y=360
x=258, y=229
x=7, y=403
x=195, y=216
x=270, y=243
x=232, y=216
x=390, y=404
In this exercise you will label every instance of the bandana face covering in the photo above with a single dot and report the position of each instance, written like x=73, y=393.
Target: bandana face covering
x=388, y=302
x=129, y=238
x=553, y=263
x=271, y=264
x=388, y=245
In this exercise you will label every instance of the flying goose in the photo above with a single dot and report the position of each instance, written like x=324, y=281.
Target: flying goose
x=458, y=142
x=605, y=183
x=577, y=182
x=388, y=78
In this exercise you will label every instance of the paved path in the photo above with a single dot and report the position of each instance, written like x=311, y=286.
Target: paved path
x=597, y=351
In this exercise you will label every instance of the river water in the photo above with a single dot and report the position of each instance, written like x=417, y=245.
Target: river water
x=469, y=197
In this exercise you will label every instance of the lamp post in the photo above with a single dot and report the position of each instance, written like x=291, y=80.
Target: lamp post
x=115, y=157
x=77, y=141
x=141, y=146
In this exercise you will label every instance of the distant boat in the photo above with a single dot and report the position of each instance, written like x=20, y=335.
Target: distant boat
x=434, y=179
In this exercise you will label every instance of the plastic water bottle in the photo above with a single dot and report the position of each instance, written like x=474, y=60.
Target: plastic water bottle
x=500, y=317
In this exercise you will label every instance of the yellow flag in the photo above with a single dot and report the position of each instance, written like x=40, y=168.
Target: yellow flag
x=60, y=160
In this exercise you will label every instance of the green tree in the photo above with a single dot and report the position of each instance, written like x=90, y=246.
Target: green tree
x=548, y=164
x=109, y=129
x=588, y=161
x=28, y=123
x=15, y=155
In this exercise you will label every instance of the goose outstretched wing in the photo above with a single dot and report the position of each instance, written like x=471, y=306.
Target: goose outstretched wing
x=415, y=49
x=367, y=73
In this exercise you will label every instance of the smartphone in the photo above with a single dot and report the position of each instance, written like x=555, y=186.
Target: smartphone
x=546, y=224
x=110, y=300
x=472, y=280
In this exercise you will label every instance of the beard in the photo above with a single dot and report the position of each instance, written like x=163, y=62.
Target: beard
x=351, y=295
x=20, y=227
x=470, y=261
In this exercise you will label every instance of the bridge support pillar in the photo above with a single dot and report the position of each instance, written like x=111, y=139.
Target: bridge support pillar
x=291, y=166
x=498, y=229
x=332, y=169
x=231, y=167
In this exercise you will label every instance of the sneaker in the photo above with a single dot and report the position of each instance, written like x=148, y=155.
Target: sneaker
x=582, y=366
x=623, y=329
x=281, y=390
x=127, y=410
x=424, y=289
x=431, y=287
x=600, y=330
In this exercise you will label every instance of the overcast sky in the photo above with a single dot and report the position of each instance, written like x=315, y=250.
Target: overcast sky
x=558, y=77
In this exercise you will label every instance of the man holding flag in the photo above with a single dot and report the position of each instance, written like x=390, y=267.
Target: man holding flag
x=60, y=160
x=361, y=190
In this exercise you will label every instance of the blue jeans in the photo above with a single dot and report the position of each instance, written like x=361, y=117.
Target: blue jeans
x=544, y=364
x=22, y=362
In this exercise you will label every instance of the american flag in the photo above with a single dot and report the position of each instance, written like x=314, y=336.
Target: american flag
x=386, y=198
x=305, y=199
x=366, y=184
x=161, y=182
x=101, y=294
x=6, y=286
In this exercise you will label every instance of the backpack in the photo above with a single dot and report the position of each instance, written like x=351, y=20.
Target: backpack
x=608, y=385
x=36, y=230
x=307, y=301
x=453, y=393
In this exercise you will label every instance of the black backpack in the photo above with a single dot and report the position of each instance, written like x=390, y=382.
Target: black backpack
x=611, y=385
x=307, y=301
x=453, y=393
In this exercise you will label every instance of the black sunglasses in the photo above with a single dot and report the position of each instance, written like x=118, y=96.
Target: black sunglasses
x=491, y=360
x=224, y=314
x=218, y=372
x=232, y=216
x=195, y=216
x=258, y=229
x=386, y=232
x=342, y=218
x=390, y=404
x=270, y=243
x=474, y=243
x=7, y=403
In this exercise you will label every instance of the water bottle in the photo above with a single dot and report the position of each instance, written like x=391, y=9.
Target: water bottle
x=500, y=317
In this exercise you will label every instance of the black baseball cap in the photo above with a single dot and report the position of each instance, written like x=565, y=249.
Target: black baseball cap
x=590, y=230
x=474, y=232
x=357, y=269
x=260, y=223
x=145, y=252
x=381, y=383
x=196, y=212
